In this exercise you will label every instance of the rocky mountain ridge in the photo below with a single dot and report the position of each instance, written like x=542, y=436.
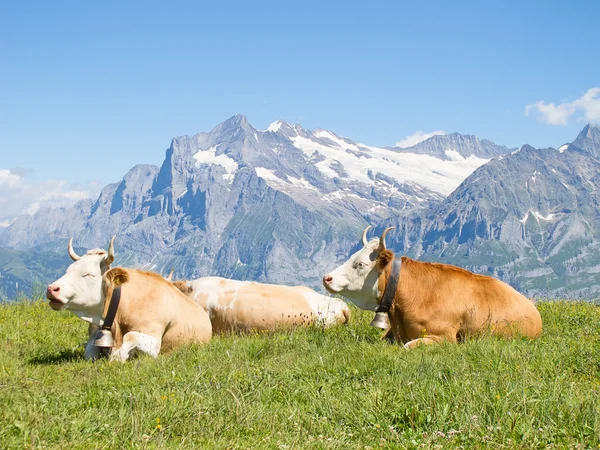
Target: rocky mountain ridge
x=286, y=204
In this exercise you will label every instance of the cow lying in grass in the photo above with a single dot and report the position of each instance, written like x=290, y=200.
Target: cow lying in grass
x=432, y=302
x=152, y=314
x=243, y=305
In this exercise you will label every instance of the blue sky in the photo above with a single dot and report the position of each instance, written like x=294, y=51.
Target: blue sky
x=89, y=89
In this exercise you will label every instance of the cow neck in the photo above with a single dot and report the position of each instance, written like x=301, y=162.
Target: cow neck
x=113, y=305
x=391, y=286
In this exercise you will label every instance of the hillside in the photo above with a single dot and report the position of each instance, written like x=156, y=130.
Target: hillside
x=335, y=388
x=29, y=271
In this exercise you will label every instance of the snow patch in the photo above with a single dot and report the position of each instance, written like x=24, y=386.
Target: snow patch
x=302, y=183
x=266, y=174
x=537, y=216
x=454, y=155
x=562, y=148
x=275, y=126
x=339, y=142
x=210, y=157
x=441, y=176
x=275, y=182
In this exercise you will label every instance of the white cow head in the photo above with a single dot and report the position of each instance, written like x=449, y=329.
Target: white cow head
x=80, y=289
x=357, y=278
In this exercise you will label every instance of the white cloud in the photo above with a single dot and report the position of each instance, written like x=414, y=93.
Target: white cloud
x=588, y=105
x=415, y=138
x=8, y=179
x=18, y=195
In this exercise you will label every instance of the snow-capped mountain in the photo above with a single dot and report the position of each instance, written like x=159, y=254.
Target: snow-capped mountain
x=531, y=217
x=282, y=204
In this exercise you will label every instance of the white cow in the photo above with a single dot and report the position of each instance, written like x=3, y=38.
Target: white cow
x=245, y=305
x=152, y=314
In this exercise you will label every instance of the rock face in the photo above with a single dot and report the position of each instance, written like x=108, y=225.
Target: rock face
x=531, y=218
x=282, y=205
x=285, y=205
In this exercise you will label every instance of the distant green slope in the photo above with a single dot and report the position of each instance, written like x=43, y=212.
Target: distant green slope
x=27, y=273
x=340, y=388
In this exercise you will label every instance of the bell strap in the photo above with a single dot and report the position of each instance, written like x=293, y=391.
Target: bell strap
x=112, y=308
x=391, y=286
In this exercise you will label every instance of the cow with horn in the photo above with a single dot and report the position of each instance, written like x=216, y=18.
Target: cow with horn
x=134, y=311
x=430, y=302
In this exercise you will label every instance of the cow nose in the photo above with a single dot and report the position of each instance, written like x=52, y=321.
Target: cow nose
x=53, y=289
x=327, y=279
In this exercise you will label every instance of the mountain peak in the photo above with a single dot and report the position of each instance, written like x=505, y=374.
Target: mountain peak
x=275, y=126
x=589, y=131
x=589, y=139
x=233, y=124
x=238, y=119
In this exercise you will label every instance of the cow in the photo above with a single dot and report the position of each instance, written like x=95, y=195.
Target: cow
x=431, y=302
x=249, y=306
x=152, y=314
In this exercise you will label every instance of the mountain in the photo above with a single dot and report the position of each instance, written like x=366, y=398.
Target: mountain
x=589, y=140
x=283, y=204
x=531, y=217
x=451, y=146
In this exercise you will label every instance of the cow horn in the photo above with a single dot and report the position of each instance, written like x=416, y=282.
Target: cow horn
x=364, y=237
x=111, y=251
x=74, y=256
x=382, y=246
x=170, y=277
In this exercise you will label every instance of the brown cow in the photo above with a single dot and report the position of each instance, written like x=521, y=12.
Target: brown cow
x=152, y=314
x=432, y=302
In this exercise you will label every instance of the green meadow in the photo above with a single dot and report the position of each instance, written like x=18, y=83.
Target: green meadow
x=338, y=388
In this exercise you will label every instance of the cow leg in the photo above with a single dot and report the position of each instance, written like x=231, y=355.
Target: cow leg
x=134, y=342
x=422, y=341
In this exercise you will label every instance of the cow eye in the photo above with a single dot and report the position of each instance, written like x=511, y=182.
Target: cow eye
x=88, y=275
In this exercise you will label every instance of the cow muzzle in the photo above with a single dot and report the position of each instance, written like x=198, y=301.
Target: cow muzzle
x=52, y=293
x=327, y=280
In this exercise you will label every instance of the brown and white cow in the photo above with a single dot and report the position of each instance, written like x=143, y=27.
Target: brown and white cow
x=432, y=302
x=152, y=314
x=244, y=305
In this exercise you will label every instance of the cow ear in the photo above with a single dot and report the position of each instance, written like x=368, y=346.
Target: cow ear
x=116, y=276
x=383, y=259
x=183, y=287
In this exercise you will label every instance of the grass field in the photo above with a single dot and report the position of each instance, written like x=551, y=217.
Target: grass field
x=314, y=388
